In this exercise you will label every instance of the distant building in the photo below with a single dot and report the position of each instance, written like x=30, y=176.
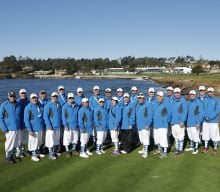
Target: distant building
x=60, y=72
x=182, y=70
x=150, y=69
x=41, y=72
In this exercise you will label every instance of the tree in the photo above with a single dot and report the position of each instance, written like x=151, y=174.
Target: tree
x=198, y=69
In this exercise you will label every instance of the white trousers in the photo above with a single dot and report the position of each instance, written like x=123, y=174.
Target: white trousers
x=10, y=140
x=22, y=137
x=193, y=134
x=84, y=138
x=52, y=138
x=114, y=136
x=210, y=131
x=178, y=132
x=101, y=136
x=34, y=142
x=144, y=136
x=160, y=137
x=70, y=136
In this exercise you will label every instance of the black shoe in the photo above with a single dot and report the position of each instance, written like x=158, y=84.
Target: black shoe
x=68, y=154
x=10, y=161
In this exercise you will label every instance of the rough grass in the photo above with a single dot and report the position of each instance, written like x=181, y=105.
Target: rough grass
x=106, y=173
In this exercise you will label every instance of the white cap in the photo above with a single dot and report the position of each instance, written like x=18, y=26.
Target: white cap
x=85, y=100
x=22, y=91
x=115, y=98
x=126, y=95
x=210, y=89
x=108, y=89
x=192, y=92
x=60, y=87
x=33, y=95
x=169, y=88
x=101, y=99
x=54, y=94
x=79, y=89
x=202, y=88
x=96, y=87
x=140, y=95
x=134, y=88
x=119, y=90
x=69, y=95
x=160, y=93
x=177, y=90
x=151, y=90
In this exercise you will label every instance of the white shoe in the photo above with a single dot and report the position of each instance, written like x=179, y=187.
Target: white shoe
x=98, y=152
x=102, y=151
x=195, y=152
x=123, y=152
x=88, y=152
x=141, y=151
x=145, y=155
x=84, y=155
x=189, y=149
x=42, y=155
x=59, y=154
x=34, y=158
x=52, y=157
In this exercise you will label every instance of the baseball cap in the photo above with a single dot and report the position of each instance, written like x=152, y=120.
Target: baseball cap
x=134, y=88
x=151, y=90
x=126, y=95
x=101, y=100
x=169, y=88
x=42, y=92
x=60, y=87
x=11, y=93
x=140, y=95
x=96, y=87
x=108, y=90
x=54, y=94
x=119, y=90
x=79, y=89
x=202, y=88
x=22, y=91
x=192, y=92
x=160, y=93
x=69, y=95
x=210, y=89
x=177, y=90
x=85, y=100
x=115, y=98
x=33, y=95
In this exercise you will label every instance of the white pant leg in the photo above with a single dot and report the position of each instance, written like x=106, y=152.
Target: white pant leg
x=114, y=136
x=189, y=133
x=163, y=140
x=49, y=142
x=156, y=136
x=100, y=137
x=140, y=134
x=205, y=132
x=34, y=142
x=84, y=138
x=56, y=136
x=74, y=136
x=178, y=132
x=214, y=132
x=66, y=137
x=10, y=141
x=146, y=136
x=195, y=134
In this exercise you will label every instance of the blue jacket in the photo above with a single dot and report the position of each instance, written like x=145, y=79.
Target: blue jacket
x=85, y=120
x=78, y=100
x=144, y=115
x=33, y=117
x=211, y=109
x=10, y=116
x=195, y=113
x=23, y=103
x=62, y=99
x=107, y=103
x=70, y=115
x=178, y=110
x=52, y=115
x=201, y=99
x=120, y=101
x=134, y=99
x=101, y=118
x=43, y=102
x=128, y=116
x=151, y=100
x=94, y=101
x=114, y=117
x=162, y=114
x=168, y=99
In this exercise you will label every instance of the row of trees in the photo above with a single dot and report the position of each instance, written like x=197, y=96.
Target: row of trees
x=12, y=64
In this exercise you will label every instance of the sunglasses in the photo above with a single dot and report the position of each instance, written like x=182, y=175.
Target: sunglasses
x=79, y=92
x=61, y=89
x=24, y=93
x=71, y=97
x=12, y=96
x=108, y=91
x=34, y=98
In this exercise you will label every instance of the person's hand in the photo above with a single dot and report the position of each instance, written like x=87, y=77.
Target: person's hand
x=66, y=129
x=197, y=126
x=129, y=127
x=31, y=133
x=50, y=128
x=146, y=127
x=182, y=125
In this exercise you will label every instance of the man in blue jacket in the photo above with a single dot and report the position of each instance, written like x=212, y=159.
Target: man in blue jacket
x=194, y=121
x=134, y=94
x=52, y=118
x=80, y=95
x=120, y=93
x=10, y=120
x=128, y=122
x=108, y=97
x=33, y=118
x=178, y=119
x=70, y=123
x=211, y=118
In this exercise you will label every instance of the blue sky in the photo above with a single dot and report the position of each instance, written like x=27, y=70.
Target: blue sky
x=109, y=28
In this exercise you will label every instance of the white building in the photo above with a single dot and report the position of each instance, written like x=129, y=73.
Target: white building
x=183, y=70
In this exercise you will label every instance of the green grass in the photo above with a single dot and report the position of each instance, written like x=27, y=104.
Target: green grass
x=107, y=173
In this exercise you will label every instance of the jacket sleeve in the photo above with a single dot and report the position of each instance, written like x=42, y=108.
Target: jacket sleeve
x=2, y=120
x=184, y=113
x=132, y=117
x=27, y=120
x=96, y=119
x=150, y=111
x=80, y=119
x=46, y=117
x=118, y=113
x=64, y=118
x=216, y=111
x=201, y=113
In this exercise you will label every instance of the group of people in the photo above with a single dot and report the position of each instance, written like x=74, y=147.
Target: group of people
x=69, y=120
